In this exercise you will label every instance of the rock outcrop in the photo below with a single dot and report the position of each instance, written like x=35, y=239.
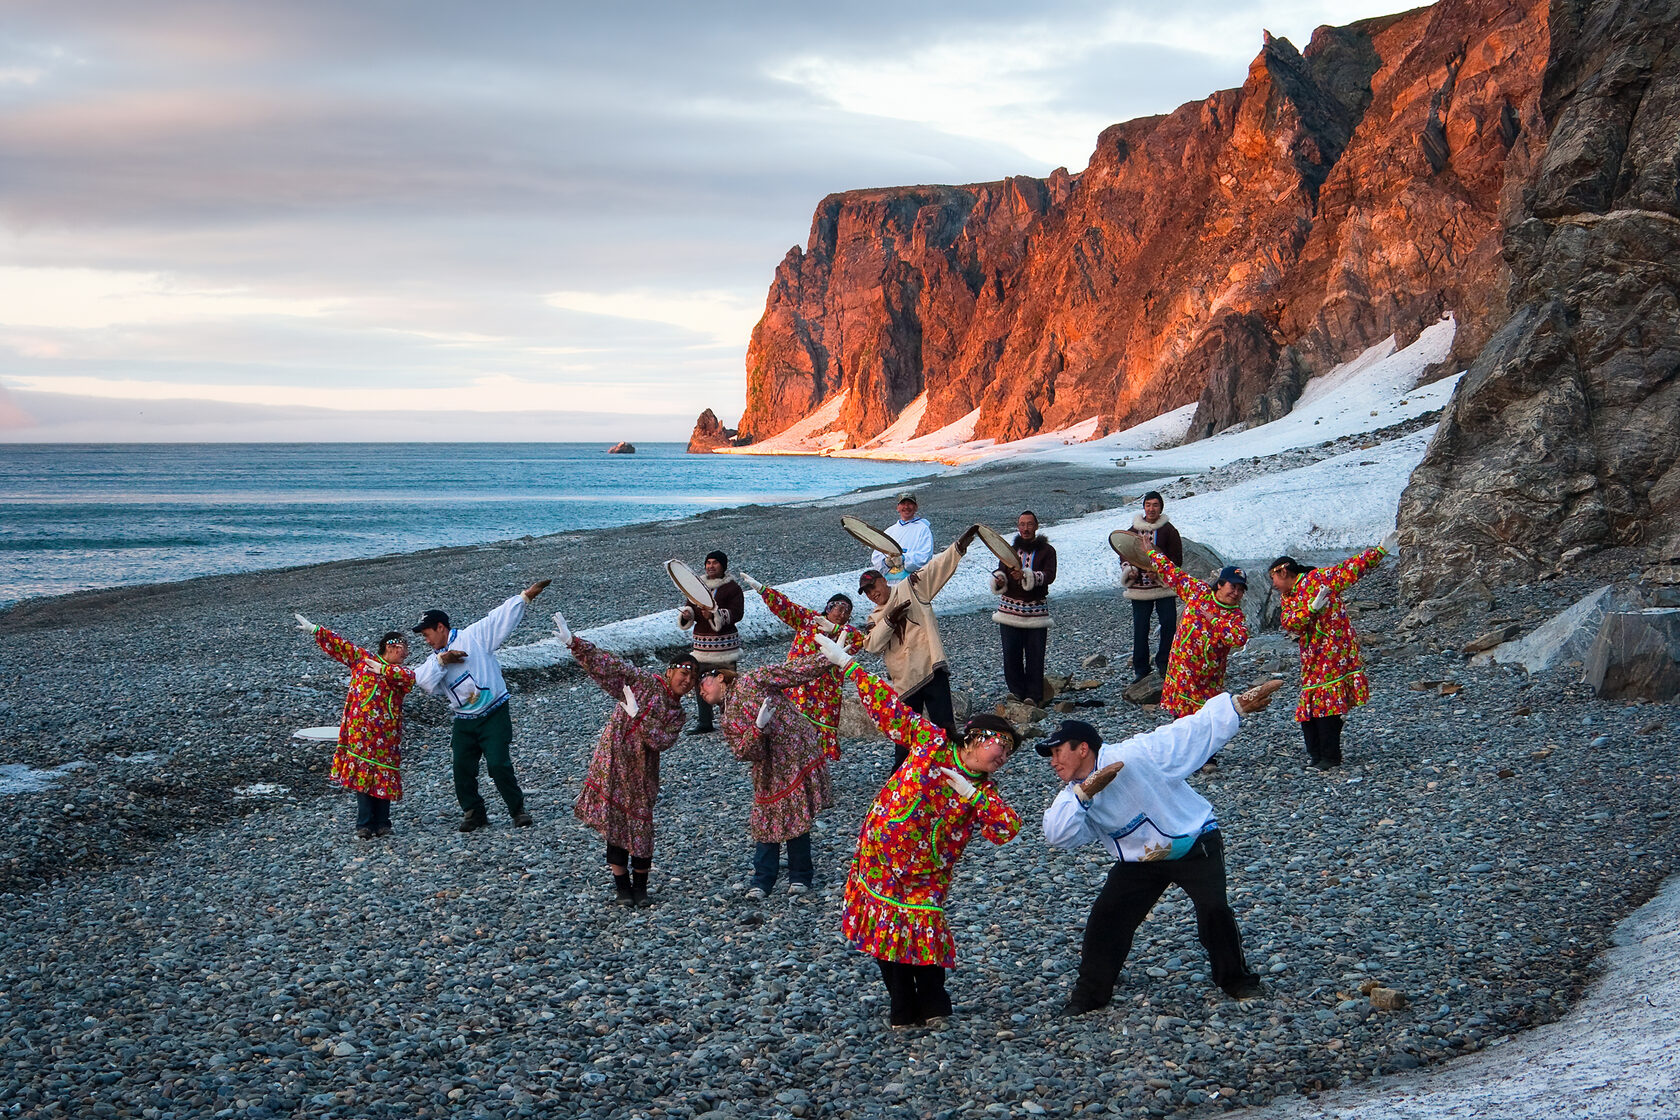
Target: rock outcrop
x=1219, y=254
x=622, y=447
x=709, y=433
x=1563, y=437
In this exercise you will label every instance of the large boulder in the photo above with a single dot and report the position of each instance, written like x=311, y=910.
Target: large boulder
x=1565, y=637
x=1637, y=656
x=1563, y=438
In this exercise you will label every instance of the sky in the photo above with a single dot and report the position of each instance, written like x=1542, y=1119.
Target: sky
x=365, y=219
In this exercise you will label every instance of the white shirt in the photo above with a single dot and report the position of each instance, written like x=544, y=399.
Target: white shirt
x=915, y=541
x=1148, y=811
x=474, y=687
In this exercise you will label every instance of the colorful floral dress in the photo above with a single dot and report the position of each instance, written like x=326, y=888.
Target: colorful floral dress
x=1208, y=631
x=818, y=700
x=623, y=779
x=369, y=755
x=789, y=769
x=912, y=838
x=1332, y=674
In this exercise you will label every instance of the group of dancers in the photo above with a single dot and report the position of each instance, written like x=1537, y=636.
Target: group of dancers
x=1131, y=797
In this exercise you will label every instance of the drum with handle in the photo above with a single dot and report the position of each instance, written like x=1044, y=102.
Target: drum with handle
x=317, y=734
x=694, y=588
x=1131, y=548
x=1001, y=548
x=865, y=533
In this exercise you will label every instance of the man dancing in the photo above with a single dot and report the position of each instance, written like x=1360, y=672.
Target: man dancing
x=902, y=629
x=1023, y=614
x=463, y=666
x=1132, y=798
x=717, y=641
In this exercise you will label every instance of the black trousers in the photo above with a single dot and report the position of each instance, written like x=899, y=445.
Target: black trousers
x=916, y=991
x=1023, y=661
x=932, y=700
x=371, y=811
x=1126, y=899
x=1324, y=739
x=704, y=723
x=1142, y=611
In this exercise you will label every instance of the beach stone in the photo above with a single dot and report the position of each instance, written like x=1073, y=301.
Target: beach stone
x=1093, y=661
x=1146, y=690
x=1491, y=638
x=1387, y=999
x=1636, y=656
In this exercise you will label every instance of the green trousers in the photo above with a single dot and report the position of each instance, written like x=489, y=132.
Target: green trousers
x=489, y=738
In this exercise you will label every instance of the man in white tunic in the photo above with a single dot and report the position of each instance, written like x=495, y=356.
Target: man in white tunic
x=915, y=540
x=464, y=668
x=1132, y=798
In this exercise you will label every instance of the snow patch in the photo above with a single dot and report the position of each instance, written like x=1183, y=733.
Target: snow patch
x=808, y=437
x=15, y=777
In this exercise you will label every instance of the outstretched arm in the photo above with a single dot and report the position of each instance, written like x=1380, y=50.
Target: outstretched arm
x=610, y=672
x=1340, y=577
x=890, y=714
x=784, y=608
x=339, y=649
x=1182, y=747
x=497, y=626
x=1185, y=586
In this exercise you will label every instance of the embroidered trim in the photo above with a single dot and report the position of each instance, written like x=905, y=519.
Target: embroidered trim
x=366, y=759
x=925, y=906
x=795, y=785
x=1326, y=684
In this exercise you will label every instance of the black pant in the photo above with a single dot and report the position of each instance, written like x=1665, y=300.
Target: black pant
x=932, y=700
x=372, y=812
x=767, y=862
x=1126, y=899
x=1023, y=661
x=916, y=991
x=1142, y=609
x=1324, y=739
x=621, y=857
x=704, y=723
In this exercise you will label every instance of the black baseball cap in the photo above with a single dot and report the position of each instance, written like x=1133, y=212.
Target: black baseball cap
x=1071, y=731
x=868, y=578
x=1230, y=573
x=431, y=618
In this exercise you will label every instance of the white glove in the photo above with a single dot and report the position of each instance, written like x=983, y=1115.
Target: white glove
x=960, y=785
x=1320, y=600
x=631, y=708
x=1391, y=543
x=561, y=630
x=1029, y=579
x=764, y=713
x=750, y=581
x=833, y=650
x=828, y=626
x=305, y=625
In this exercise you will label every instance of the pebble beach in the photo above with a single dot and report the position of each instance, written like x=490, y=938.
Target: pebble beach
x=193, y=931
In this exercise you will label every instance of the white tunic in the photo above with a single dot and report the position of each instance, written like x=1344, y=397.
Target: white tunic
x=1149, y=811
x=474, y=687
x=915, y=541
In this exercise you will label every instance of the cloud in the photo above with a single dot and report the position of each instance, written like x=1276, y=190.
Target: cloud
x=726, y=317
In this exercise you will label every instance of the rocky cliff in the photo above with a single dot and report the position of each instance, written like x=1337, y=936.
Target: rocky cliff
x=1564, y=436
x=1219, y=254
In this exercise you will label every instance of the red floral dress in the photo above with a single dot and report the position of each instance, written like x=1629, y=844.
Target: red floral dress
x=912, y=838
x=817, y=700
x=1332, y=674
x=623, y=779
x=1208, y=631
x=369, y=755
x=789, y=769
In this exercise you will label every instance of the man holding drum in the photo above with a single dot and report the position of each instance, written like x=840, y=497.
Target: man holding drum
x=1026, y=569
x=717, y=641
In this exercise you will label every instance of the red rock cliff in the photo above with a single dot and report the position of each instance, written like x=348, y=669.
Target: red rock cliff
x=1219, y=254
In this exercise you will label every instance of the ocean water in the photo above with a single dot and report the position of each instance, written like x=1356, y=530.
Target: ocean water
x=74, y=517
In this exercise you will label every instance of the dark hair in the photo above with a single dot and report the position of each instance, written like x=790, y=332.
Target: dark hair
x=391, y=636
x=720, y=556
x=1296, y=568
x=683, y=659
x=996, y=724
x=727, y=676
x=837, y=598
x=1155, y=495
x=1028, y=513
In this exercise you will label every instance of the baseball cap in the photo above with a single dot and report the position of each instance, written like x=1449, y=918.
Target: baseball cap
x=868, y=578
x=1071, y=731
x=1230, y=573
x=907, y=496
x=431, y=618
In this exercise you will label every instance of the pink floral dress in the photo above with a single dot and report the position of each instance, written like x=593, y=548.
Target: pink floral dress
x=789, y=769
x=623, y=779
x=818, y=699
x=912, y=839
x=369, y=755
x=1333, y=678
x=1208, y=631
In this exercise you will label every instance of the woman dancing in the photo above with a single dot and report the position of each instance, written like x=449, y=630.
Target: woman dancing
x=818, y=700
x=1333, y=680
x=623, y=779
x=916, y=831
x=789, y=769
x=368, y=760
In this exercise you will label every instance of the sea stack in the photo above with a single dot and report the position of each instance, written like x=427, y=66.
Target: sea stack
x=622, y=447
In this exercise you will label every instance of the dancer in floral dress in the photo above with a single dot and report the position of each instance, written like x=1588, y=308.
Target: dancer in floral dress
x=789, y=769
x=1333, y=680
x=368, y=760
x=916, y=831
x=818, y=700
x=1212, y=625
x=623, y=779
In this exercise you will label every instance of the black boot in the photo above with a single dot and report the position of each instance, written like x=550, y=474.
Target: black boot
x=638, y=888
x=622, y=895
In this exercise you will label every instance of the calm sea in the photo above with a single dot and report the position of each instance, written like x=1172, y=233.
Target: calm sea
x=74, y=517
